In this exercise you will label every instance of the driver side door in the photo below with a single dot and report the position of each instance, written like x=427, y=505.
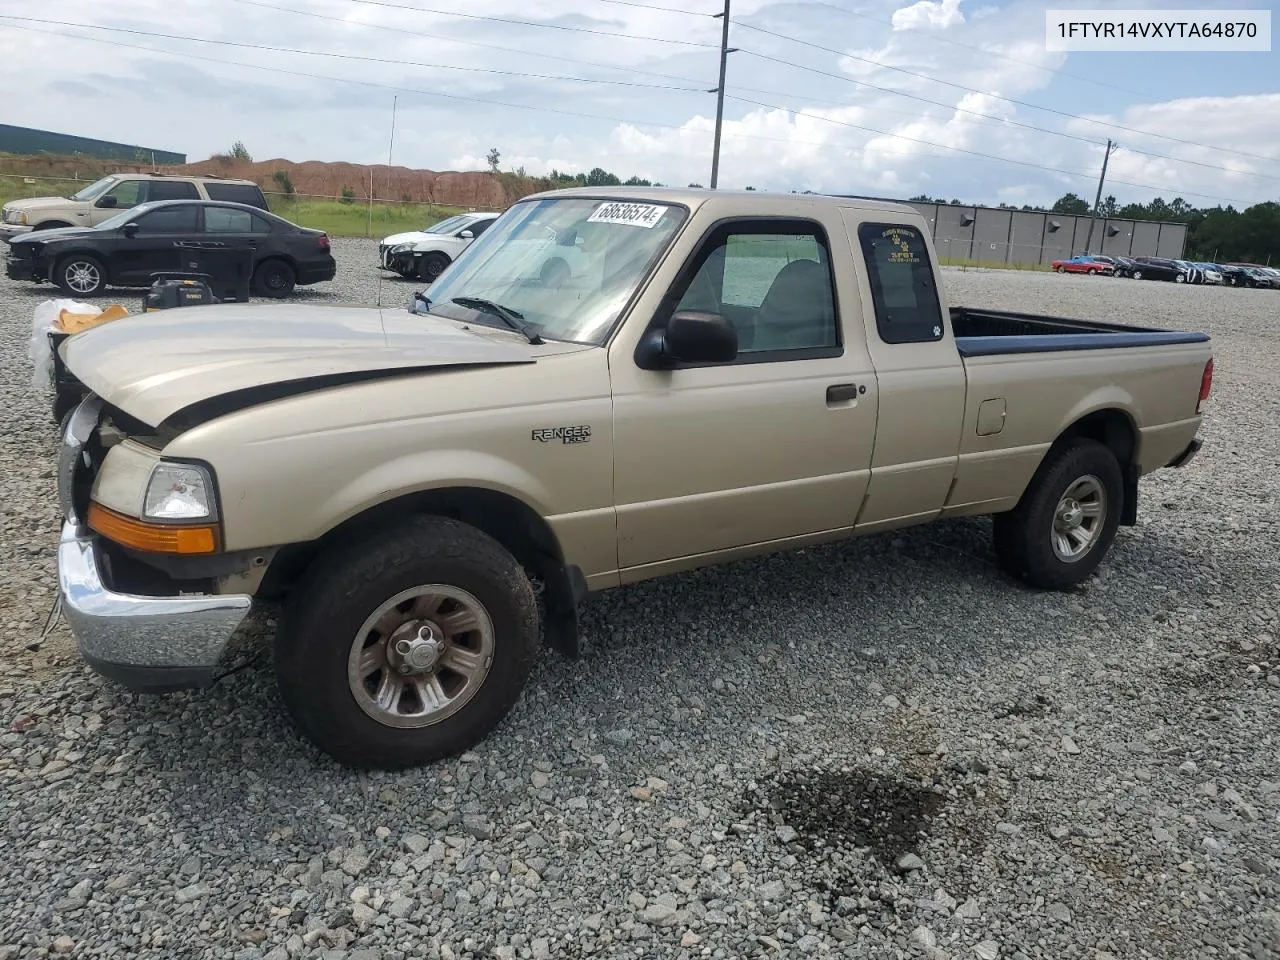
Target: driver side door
x=158, y=246
x=125, y=194
x=768, y=450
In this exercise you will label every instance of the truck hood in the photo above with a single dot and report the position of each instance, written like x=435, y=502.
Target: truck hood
x=413, y=236
x=38, y=203
x=226, y=356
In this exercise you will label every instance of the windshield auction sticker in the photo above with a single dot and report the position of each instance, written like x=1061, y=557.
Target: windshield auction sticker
x=644, y=215
x=1157, y=30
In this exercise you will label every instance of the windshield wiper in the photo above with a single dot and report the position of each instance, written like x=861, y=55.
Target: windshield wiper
x=508, y=316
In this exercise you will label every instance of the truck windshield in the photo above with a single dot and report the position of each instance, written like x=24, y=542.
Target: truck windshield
x=94, y=190
x=567, y=267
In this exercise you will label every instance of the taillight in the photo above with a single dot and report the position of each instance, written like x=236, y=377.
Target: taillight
x=1206, y=384
x=324, y=241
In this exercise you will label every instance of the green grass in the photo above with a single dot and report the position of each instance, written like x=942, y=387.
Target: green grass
x=353, y=219
x=336, y=218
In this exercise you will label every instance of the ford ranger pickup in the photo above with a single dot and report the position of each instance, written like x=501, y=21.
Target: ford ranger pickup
x=431, y=490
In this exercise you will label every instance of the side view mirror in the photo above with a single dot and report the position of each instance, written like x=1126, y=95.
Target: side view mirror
x=130, y=229
x=691, y=336
x=466, y=235
x=106, y=202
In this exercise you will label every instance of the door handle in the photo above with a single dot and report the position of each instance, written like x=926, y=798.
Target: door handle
x=840, y=392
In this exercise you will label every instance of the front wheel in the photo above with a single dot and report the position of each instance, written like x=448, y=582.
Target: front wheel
x=432, y=266
x=409, y=646
x=1179, y=279
x=1062, y=527
x=80, y=275
x=1062, y=269
x=275, y=279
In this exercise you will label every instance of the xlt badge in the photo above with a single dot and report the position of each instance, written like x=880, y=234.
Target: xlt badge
x=577, y=434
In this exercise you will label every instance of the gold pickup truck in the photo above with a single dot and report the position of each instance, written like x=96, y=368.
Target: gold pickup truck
x=609, y=385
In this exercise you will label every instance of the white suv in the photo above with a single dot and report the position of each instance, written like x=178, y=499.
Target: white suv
x=120, y=191
x=425, y=253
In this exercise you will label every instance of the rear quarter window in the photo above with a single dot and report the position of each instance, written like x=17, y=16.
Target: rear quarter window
x=236, y=193
x=904, y=290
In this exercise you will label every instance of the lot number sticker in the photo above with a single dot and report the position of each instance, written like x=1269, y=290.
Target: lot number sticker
x=644, y=215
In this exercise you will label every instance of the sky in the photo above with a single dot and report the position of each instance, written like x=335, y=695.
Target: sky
x=894, y=98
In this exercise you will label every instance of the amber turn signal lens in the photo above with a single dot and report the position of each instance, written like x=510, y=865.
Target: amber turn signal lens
x=151, y=537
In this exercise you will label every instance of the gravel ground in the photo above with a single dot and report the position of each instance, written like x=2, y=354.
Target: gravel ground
x=881, y=749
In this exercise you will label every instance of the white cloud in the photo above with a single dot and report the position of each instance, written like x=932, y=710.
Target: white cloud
x=926, y=14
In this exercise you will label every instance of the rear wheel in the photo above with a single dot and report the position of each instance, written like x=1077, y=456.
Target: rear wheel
x=274, y=278
x=1137, y=274
x=80, y=275
x=1091, y=272
x=432, y=266
x=1062, y=269
x=1057, y=535
x=1179, y=278
x=408, y=646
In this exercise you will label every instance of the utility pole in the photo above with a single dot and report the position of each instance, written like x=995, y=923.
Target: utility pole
x=719, y=92
x=1097, y=201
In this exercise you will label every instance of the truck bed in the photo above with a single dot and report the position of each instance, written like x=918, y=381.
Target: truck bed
x=983, y=333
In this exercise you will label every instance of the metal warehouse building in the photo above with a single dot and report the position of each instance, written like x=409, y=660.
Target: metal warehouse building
x=28, y=142
x=999, y=235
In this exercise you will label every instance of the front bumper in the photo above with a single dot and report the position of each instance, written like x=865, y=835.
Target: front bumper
x=149, y=644
x=21, y=270
x=10, y=230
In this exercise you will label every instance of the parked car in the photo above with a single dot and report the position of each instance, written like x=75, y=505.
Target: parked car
x=104, y=198
x=1123, y=266
x=168, y=236
x=1207, y=273
x=1232, y=275
x=1256, y=275
x=1083, y=264
x=425, y=253
x=1158, y=268
x=586, y=433
x=403, y=478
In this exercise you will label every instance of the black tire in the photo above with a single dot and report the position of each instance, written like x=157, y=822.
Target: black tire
x=274, y=278
x=1024, y=537
x=325, y=614
x=1137, y=274
x=80, y=275
x=431, y=266
x=1061, y=269
x=1179, y=278
x=64, y=404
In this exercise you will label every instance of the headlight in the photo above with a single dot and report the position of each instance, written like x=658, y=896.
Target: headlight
x=178, y=491
x=402, y=248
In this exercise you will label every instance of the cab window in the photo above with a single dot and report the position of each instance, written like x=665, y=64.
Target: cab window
x=127, y=193
x=904, y=291
x=772, y=281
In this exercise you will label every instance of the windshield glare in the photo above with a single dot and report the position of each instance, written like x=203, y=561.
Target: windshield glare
x=567, y=266
x=94, y=190
x=444, y=226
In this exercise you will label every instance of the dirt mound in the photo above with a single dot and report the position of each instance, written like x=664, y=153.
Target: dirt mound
x=317, y=178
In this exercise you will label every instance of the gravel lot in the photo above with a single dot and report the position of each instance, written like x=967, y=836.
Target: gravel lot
x=881, y=749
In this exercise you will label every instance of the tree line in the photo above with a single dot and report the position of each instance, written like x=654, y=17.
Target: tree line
x=1218, y=233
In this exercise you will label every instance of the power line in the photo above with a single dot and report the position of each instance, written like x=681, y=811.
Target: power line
x=469, y=43
x=532, y=23
x=983, y=50
x=352, y=56
x=591, y=116
x=994, y=96
x=654, y=6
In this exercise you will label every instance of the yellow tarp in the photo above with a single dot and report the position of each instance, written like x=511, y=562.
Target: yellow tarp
x=69, y=322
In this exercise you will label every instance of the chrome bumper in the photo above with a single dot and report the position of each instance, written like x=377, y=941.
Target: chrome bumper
x=148, y=644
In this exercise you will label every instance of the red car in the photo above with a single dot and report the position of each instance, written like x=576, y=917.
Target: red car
x=1083, y=265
